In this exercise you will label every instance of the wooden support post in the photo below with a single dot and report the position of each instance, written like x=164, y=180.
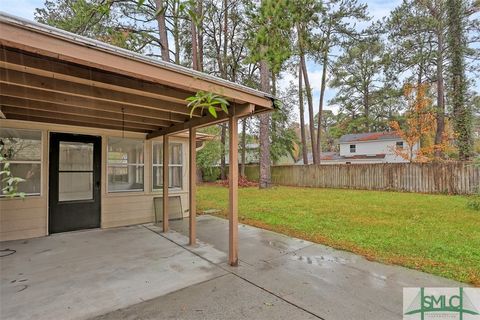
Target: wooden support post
x=193, y=186
x=233, y=193
x=165, y=183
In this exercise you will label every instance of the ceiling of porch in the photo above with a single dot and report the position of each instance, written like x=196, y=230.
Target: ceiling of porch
x=48, y=75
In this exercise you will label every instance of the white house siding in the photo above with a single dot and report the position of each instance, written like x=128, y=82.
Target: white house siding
x=353, y=161
x=28, y=217
x=373, y=148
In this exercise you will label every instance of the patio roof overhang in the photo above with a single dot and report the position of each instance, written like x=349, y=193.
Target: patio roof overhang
x=52, y=76
x=49, y=75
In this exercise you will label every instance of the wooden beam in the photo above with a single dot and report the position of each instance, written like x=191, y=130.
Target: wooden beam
x=25, y=62
x=51, y=84
x=34, y=94
x=165, y=183
x=73, y=110
x=192, y=186
x=70, y=122
x=70, y=50
x=79, y=118
x=234, y=111
x=233, y=193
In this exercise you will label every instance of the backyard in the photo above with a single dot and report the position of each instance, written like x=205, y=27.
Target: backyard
x=437, y=234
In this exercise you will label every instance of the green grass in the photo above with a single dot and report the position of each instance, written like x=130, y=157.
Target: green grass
x=438, y=234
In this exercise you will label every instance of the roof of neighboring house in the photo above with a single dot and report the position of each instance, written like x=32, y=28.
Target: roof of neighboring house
x=370, y=136
x=335, y=156
x=365, y=156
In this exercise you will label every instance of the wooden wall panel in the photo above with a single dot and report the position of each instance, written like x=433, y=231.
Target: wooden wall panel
x=28, y=218
x=448, y=178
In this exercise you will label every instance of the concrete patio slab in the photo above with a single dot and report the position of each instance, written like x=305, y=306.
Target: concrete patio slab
x=225, y=297
x=141, y=273
x=257, y=245
x=331, y=284
x=83, y=274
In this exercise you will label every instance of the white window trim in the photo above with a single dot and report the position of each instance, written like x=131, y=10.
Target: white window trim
x=121, y=165
x=170, y=165
x=39, y=194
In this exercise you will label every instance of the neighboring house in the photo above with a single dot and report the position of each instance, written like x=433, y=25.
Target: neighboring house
x=372, y=147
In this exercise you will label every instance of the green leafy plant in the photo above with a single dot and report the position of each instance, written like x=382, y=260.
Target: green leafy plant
x=9, y=182
x=209, y=101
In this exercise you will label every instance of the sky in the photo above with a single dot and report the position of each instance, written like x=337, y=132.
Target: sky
x=376, y=8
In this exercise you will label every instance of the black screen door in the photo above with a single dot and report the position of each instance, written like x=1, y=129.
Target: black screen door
x=74, y=182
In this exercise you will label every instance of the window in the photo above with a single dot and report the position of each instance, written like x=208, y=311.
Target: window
x=175, y=171
x=125, y=165
x=399, y=144
x=23, y=149
x=353, y=148
x=75, y=171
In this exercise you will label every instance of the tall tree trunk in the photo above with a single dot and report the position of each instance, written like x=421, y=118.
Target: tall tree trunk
x=302, y=115
x=310, y=109
x=462, y=115
x=176, y=30
x=162, y=29
x=194, y=46
x=225, y=37
x=265, y=175
x=243, y=155
x=223, y=139
x=200, y=34
x=322, y=91
x=440, y=97
x=308, y=89
x=223, y=73
x=366, y=106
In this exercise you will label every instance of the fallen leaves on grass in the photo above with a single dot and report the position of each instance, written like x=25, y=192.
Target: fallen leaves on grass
x=242, y=182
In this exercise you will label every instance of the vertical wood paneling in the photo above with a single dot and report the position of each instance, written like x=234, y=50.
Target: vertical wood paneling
x=451, y=178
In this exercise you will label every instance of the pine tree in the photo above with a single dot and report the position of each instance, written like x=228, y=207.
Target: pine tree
x=270, y=46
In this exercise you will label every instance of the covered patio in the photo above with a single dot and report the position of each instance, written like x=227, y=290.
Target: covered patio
x=140, y=272
x=65, y=83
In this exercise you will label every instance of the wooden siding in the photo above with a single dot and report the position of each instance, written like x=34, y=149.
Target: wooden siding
x=450, y=178
x=28, y=218
x=124, y=210
x=21, y=219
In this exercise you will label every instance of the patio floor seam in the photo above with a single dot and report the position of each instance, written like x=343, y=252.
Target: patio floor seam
x=240, y=277
x=287, y=253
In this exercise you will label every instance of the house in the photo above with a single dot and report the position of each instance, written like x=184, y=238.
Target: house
x=372, y=147
x=89, y=127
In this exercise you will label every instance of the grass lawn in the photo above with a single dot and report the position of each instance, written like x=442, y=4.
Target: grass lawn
x=433, y=233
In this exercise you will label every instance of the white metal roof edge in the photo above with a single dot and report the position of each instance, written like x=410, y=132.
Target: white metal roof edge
x=39, y=27
x=364, y=141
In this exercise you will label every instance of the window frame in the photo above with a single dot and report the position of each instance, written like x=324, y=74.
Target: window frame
x=399, y=147
x=354, y=148
x=40, y=162
x=181, y=165
x=123, y=165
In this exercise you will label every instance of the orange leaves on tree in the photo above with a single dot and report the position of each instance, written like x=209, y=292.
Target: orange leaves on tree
x=420, y=122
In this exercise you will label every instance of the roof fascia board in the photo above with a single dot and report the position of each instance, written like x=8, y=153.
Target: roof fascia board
x=39, y=38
